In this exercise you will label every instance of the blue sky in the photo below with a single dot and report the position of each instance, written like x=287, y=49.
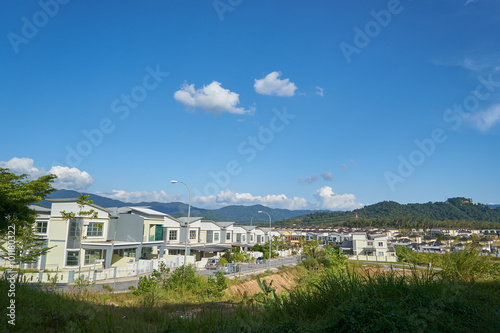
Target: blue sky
x=290, y=104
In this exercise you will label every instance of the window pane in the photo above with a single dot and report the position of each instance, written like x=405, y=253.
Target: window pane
x=72, y=259
x=94, y=229
x=172, y=235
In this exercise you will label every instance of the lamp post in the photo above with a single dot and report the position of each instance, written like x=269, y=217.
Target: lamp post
x=260, y=211
x=187, y=222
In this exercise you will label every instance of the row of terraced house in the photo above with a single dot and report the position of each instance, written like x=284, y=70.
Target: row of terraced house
x=123, y=235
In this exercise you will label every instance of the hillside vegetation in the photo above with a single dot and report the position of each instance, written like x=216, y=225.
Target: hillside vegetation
x=457, y=212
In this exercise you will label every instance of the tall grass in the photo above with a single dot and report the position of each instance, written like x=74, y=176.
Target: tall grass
x=417, y=301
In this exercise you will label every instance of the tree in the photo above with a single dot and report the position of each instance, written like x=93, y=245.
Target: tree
x=17, y=193
x=82, y=201
x=21, y=244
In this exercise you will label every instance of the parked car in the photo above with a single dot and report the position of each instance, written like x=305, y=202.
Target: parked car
x=259, y=260
x=212, y=263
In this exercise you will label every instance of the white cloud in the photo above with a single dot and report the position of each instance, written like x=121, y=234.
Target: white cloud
x=71, y=178
x=272, y=85
x=327, y=175
x=469, y=2
x=67, y=178
x=484, y=120
x=212, y=98
x=327, y=199
x=228, y=197
x=320, y=91
x=140, y=196
x=22, y=165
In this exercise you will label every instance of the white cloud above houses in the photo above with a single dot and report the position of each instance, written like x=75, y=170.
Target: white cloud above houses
x=67, y=178
x=273, y=85
x=140, y=196
x=327, y=199
x=71, y=178
x=22, y=165
x=211, y=98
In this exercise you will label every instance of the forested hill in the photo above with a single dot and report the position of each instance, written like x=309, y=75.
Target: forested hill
x=452, y=209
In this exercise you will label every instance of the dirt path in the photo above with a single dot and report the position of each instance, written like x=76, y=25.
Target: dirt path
x=282, y=281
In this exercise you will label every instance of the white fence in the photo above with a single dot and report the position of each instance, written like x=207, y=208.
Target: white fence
x=375, y=258
x=99, y=274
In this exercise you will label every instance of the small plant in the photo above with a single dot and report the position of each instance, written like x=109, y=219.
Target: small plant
x=107, y=288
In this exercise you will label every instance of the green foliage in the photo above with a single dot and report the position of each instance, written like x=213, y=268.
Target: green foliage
x=20, y=243
x=331, y=257
x=223, y=261
x=268, y=293
x=468, y=265
x=17, y=193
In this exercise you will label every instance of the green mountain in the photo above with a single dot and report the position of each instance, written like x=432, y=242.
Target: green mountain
x=454, y=209
x=238, y=214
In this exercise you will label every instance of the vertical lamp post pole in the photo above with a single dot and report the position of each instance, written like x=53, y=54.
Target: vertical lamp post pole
x=187, y=222
x=260, y=211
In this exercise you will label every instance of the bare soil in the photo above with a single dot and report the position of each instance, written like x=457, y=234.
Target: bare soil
x=282, y=281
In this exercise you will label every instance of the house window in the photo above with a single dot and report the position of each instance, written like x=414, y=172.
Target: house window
x=370, y=243
x=216, y=236
x=381, y=254
x=41, y=227
x=92, y=255
x=380, y=244
x=192, y=234
x=129, y=253
x=243, y=238
x=251, y=238
x=74, y=229
x=71, y=258
x=172, y=235
x=228, y=236
x=94, y=229
x=156, y=233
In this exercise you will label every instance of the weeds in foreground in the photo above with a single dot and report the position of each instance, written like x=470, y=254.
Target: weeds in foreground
x=417, y=301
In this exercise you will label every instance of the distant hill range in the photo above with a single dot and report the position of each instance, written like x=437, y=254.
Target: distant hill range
x=238, y=214
x=453, y=209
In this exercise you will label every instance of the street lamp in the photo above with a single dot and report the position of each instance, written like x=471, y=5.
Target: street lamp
x=187, y=222
x=260, y=211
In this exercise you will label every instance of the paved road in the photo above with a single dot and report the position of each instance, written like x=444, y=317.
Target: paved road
x=253, y=268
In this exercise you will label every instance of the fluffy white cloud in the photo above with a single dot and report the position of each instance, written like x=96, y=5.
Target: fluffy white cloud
x=22, y=165
x=327, y=199
x=272, y=85
x=212, y=98
x=227, y=197
x=71, y=178
x=67, y=178
x=140, y=196
x=484, y=120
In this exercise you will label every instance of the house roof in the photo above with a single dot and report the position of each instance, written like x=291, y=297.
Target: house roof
x=191, y=219
x=224, y=224
x=75, y=200
x=40, y=209
x=148, y=211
